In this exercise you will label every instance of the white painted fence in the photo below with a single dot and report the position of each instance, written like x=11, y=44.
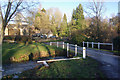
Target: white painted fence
x=98, y=44
x=68, y=47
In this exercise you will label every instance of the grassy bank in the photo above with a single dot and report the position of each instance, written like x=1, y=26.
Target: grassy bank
x=20, y=52
x=83, y=68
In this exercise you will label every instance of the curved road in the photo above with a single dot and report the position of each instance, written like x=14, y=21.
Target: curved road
x=110, y=64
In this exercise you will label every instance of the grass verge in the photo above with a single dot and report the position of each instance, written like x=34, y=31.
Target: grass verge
x=82, y=68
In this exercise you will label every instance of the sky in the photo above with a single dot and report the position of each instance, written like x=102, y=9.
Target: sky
x=111, y=8
x=67, y=6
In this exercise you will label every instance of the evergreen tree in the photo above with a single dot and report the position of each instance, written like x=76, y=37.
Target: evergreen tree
x=63, y=27
x=78, y=17
x=43, y=10
x=53, y=26
x=41, y=20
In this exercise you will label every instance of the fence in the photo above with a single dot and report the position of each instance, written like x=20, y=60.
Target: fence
x=98, y=44
x=69, y=47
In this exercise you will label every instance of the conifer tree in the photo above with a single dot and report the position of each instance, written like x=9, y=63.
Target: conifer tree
x=78, y=17
x=63, y=27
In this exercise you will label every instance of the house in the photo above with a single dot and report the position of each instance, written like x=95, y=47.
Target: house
x=50, y=34
x=14, y=29
x=45, y=32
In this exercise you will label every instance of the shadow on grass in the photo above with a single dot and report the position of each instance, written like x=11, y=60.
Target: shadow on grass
x=47, y=50
x=38, y=50
x=7, y=55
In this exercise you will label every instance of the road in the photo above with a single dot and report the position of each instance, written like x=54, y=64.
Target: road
x=110, y=64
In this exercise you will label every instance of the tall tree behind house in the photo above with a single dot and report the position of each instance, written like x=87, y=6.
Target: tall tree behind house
x=63, y=27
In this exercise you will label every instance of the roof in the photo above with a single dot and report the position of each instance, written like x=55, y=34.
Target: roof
x=19, y=26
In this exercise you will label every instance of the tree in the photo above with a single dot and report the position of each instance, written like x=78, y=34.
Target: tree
x=11, y=8
x=95, y=10
x=119, y=22
x=77, y=25
x=55, y=20
x=78, y=17
x=53, y=26
x=42, y=20
x=8, y=15
x=63, y=27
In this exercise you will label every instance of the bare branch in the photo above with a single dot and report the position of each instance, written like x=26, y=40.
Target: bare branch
x=18, y=4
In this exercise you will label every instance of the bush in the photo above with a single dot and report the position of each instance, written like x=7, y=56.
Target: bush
x=18, y=38
x=116, y=43
x=24, y=39
x=29, y=40
x=9, y=37
x=77, y=39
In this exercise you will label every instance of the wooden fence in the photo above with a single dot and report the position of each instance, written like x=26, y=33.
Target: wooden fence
x=97, y=44
x=69, y=47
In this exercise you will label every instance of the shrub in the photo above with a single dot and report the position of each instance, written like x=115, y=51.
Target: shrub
x=18, y=38
x=29, y=40
x=116, y=43
x=24, y=39
x=9, y=37
x=77, y=39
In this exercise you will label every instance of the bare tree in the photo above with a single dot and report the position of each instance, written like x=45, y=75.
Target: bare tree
x=9, y=10
x=95, y=10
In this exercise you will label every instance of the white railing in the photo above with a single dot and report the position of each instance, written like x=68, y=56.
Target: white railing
x=98, y=44
x=69, y=47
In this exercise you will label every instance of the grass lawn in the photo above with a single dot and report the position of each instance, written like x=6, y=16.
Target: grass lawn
x=82, y=68
x=20, y=52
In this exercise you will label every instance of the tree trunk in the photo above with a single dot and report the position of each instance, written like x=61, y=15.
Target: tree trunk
x=2, y=32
